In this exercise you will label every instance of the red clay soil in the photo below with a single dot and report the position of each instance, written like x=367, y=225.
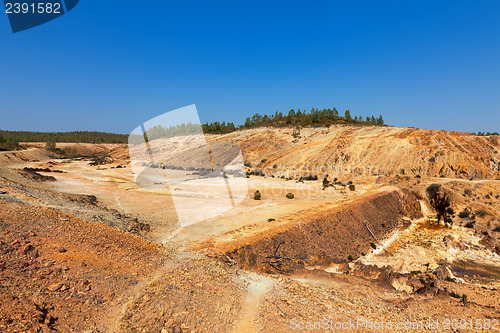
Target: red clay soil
x=60, y=273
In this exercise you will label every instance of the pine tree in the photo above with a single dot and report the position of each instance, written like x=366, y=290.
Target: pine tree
x=348, y=115
x=380, y=121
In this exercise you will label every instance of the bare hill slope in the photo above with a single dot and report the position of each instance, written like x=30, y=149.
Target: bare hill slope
x=375, y=150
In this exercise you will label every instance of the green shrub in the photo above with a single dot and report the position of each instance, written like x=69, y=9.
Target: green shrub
x=464, y=214
x=373, y=245
x=257, y=195
x=481, y=212
x=469, y=225
x=350, y=258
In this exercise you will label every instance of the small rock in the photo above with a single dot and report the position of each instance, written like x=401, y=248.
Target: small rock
x=290, y=196
x=55, y=286
x=33, y=254
x=436, y=284
x=65, y=268
x=61, y=249
x=415, y=283
x=83, y=264
x=442, y=272
x=26, y=248
x=2, y=265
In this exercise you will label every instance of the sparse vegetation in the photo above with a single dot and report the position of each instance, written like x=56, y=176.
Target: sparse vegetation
x=464, y=213
x=299, y=118
x=487, y=133
x=439, y=200
x=8, y=143
x=257, y=195
x=469, y=225
x=101, y=158
x=481, y=212
x=14, y=137
x=50, y=145
x=373, y=245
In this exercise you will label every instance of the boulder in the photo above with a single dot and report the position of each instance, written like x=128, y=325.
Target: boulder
x=442, y=272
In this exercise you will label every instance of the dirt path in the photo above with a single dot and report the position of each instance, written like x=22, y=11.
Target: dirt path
x=258, y=286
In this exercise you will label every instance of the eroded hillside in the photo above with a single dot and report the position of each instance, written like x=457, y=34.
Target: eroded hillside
x=373, y=150
x=83, y=247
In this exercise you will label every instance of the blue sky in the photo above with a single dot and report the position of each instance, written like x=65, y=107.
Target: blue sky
x=111, y=65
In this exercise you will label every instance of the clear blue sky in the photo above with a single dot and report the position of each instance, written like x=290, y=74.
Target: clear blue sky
x=110, y=65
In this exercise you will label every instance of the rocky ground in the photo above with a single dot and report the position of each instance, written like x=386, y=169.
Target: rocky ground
x=89, y=251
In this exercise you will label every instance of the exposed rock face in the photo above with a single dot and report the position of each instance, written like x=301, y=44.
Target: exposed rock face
x=377, y=150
